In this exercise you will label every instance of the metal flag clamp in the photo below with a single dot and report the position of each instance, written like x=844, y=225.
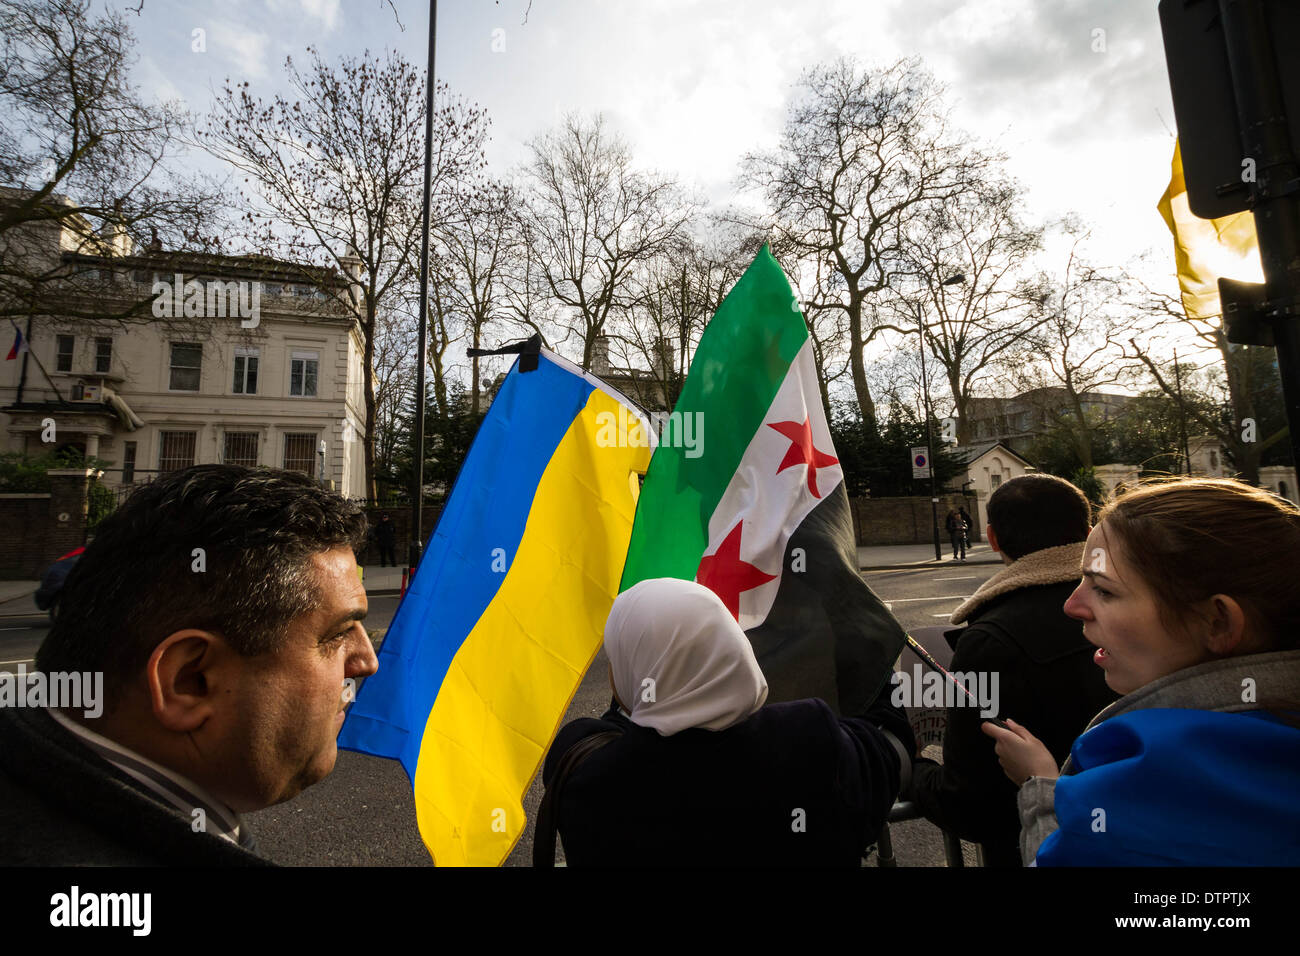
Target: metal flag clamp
x=528, y=350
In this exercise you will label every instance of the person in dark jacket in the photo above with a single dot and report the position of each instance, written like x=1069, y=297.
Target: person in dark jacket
x=1018, y=630
x=700, y=772
x=956, y=527
x=219, y=611
x=970, y=523
x=386, y=538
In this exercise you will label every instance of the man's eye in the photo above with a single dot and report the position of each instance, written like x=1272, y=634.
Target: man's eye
x=1101, y=592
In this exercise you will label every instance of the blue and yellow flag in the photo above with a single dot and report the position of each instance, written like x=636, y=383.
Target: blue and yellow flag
x=508, y=607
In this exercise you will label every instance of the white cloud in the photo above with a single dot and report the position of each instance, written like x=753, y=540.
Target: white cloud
x=246, y=51
x=326, y=11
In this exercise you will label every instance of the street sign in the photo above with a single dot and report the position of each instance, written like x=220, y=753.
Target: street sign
x=920, y=463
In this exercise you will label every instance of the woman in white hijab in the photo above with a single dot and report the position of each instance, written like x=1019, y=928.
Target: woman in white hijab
x=690, y=768
x=678, y=658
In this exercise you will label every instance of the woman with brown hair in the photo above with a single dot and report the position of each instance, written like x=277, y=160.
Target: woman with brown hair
x=1190, y=593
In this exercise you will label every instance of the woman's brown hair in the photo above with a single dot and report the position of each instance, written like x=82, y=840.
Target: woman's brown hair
x=1192, y=538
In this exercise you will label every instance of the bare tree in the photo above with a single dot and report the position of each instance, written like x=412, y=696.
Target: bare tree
x=966, y=287
x=395, y=350
x=676, y=293
x=591, y=219
x=863, y=153
x=336, y=176
x=1080, y=345
x=475, y=250
x=87, y=163
x=1243, y=367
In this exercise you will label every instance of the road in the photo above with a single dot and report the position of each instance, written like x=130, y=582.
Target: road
x=363, y=813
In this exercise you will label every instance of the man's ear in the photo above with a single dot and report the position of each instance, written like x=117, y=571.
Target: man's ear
x=991, y=537
x=184, y=674
x=1227, y=626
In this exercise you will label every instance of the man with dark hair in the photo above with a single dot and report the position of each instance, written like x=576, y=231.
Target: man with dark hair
x=222, y=606
x=1017, y=630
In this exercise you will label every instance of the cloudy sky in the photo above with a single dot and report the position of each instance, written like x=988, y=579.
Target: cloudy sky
x=1075, y=91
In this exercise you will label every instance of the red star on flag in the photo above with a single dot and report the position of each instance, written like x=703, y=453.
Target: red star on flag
x=802, y=451
x=723, y=573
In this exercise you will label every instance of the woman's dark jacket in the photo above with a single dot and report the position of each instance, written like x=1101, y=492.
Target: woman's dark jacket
x=792, y=785
x=1047, y=684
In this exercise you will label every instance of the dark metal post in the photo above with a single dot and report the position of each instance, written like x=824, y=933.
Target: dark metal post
x=417, y=490
x=1182, y=417
x=929, y=438
x=1266, y=139
x=22, y=373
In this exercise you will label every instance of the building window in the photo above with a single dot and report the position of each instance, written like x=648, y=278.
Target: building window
x=300, y=454
x=241, y=449
x=63, y=358
x=187, y=362
x=995, y=480
x=245, y=371
x=128, y=462
x=175, y=450
x=103, y=354
x=302, y=373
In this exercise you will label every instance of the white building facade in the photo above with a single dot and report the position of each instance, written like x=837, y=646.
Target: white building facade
x=259, y=363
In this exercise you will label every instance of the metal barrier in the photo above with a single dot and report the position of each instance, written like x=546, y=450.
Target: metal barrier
x=907, y=810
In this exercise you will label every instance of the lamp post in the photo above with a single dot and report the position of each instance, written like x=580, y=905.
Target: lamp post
x=929, y=428
x=417, y=478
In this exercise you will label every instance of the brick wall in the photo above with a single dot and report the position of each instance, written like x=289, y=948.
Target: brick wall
x=25, y=519
x=884, y=521
x=39, y=527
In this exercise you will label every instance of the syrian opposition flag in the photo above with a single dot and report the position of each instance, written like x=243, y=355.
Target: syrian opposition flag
x=755, y=508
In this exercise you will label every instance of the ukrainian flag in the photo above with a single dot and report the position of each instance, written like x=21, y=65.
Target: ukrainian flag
x=508, y=607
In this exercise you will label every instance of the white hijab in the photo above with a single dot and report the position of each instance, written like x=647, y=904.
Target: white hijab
x=680, y=659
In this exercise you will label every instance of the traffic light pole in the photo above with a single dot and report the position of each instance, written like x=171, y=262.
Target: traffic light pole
x=1275, y=193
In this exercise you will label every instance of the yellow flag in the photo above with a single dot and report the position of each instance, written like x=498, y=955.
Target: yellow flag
x=1206, y=249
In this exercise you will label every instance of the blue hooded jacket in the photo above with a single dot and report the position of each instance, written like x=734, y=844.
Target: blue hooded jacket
x=1179, y=787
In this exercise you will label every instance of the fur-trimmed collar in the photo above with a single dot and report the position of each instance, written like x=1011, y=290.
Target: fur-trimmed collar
x=1048, y=566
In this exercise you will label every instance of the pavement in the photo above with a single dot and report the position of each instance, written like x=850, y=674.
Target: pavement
x=17, y=597
x=898, y=557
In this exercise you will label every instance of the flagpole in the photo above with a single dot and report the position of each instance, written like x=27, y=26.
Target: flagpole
x=417, y=490
x=22, y=373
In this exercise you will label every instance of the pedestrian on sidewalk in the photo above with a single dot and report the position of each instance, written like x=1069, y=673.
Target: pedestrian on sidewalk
x=970, y=523
x=386, y=539
x=956, y=526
